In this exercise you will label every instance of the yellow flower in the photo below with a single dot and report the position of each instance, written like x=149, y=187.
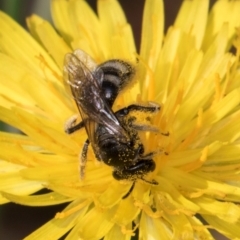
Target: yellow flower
x=190, y=72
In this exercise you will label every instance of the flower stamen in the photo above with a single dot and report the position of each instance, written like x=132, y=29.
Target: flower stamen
x=130, y=232
x=147, y=209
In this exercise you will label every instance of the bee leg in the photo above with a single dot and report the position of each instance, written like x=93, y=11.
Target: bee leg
x=141, y=127
x=83, y=159
x=152, y=154
x=74, y=128
x=153, y=182
x=149, y=155
x=71, y=126
x=153, y=107
x=145, y=128
x=129, y=191
x=148, y=128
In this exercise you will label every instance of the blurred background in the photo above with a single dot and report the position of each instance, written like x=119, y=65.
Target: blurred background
x=17, y=221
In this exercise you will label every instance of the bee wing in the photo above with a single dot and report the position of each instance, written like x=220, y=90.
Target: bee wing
x=86, y=91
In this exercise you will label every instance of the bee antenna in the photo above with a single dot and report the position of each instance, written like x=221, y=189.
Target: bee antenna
x=130, y=190
x=153, y=182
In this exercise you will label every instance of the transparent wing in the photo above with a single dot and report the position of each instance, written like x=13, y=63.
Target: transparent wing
x=86, y=91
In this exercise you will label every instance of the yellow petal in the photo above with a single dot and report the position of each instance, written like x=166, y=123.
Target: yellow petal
x=201, y=230
x=117, y=233
x=57, y=227
x=126, y=212
x=211, y=116
x=226, y=211
x=96, y=220
x=153, y=23
x=152, y=228
x=182, y=203
x=113, y=194
x=62, y=19
x=38, y=200
x=57, y=172
x=27, y=89
x=221, y=13
x=52, y=103
x=30, y=125
x=180, y=158
x=32, y=55
x=117, y=30
x=232, y=231
x=27, y=153
x=165, y=64
x=227, y=133
x=48, y=37
x=87, y=36
x=181, y=227
x=13, y=183
x=199, y=185
x=226, y=154
x=184, y=82
x=192, y=18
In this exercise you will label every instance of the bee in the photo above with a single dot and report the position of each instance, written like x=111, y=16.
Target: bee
x=113, y=135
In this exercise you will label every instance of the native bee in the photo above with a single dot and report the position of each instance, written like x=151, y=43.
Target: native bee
x=114, y=136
